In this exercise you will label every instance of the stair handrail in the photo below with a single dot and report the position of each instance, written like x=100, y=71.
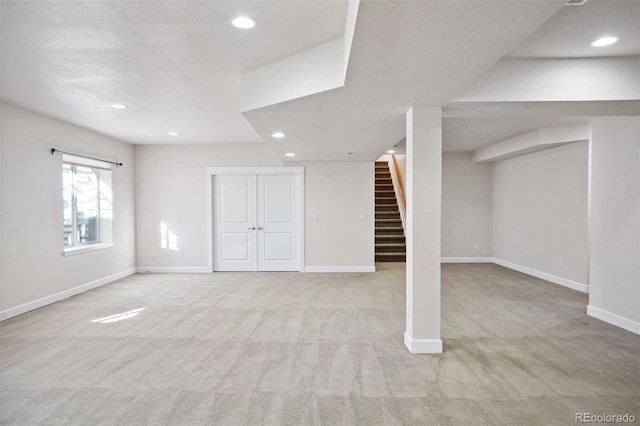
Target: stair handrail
x=396, y=178
x=396, y=169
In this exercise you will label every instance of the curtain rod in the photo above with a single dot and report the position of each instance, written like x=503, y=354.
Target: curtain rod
x=53, y=151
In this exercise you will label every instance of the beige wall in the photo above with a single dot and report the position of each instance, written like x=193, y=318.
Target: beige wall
x=339, y=193
x=466, y=206
x=33, y=265
x=540, y=211
x=615, y=218
x=171, y=187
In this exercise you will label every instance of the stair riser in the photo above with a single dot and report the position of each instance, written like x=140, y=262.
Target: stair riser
x=393, y=208
x=395, y=240
x=394, y=224
x=384, y=187
x=394, y=258
x=388, y=215
x=391, y=249
x=387, y=193
x=386, y=200
x=389, y=231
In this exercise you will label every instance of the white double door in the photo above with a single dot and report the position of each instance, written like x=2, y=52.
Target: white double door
x=256, y=223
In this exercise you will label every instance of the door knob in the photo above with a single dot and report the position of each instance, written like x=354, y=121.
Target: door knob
x=260, y=228
x=253, y=228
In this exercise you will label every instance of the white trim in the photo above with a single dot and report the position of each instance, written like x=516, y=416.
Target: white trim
x=301, y=221
x=209, y=219
x=543, y=275
x=422, y=346
x=466, y=260
x=574, y=285
x=339, y=269
x=39, y=303
x=173, y=269
x=613, y=319
x=277, y=170
x=83, y=249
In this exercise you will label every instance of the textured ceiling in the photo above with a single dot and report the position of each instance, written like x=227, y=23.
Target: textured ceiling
x=403, y=54
x=178, y=66
x=568, y=33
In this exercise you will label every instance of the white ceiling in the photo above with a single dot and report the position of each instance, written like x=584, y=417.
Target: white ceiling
x=567, y=34
x=175, y=64
x=178, y=66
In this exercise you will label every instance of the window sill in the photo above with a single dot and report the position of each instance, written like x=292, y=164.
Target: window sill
x=83, y=249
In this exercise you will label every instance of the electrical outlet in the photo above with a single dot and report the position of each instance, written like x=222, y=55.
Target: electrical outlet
x=476, y=247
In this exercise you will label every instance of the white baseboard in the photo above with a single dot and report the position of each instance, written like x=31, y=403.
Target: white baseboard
x=543, y=275
x=466, y=260
x=339, y=269
x=39, y=303
x=422, y=346
x=174, y=269
x=617, y=320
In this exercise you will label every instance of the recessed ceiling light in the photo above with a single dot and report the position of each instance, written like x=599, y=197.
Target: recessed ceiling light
x=391, y=151
x=290, y=154
x=605, y=41
x=484, y=136
x=278, y=135
x=173, y=133
x=118, y=106
x=244, y=22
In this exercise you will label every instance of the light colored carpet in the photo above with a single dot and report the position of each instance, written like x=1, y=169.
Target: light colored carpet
x=298, y=349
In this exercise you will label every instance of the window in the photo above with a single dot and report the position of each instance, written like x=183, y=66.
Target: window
x=87, y=204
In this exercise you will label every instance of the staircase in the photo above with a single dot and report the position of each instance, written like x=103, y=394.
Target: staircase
x=390, y=242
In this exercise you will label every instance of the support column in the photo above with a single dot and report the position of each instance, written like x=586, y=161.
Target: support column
x=423, y=195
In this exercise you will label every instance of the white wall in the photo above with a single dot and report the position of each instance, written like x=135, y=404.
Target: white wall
x=557, y=79
x=540, y=212
x=33, y=266
x=171, y=187
x=1, y=191
x=615, y=221
x=339, y=193
x=466, y=206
